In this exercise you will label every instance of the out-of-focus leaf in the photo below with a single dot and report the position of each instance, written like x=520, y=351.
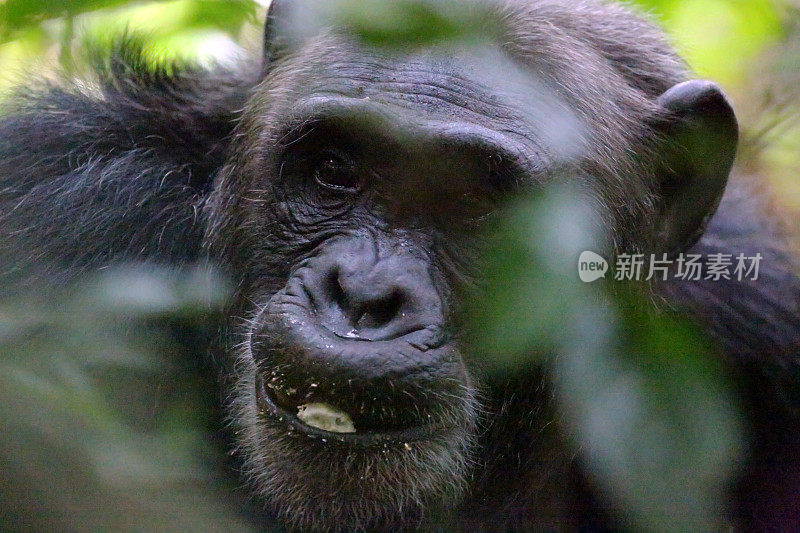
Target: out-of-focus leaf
x=395, y=24
x=638, y=390
x=103, y=429
x=409, y=23
x=533, y=286
x=227, y=16
x=17, y=15
x=653, y=416
x=147, y=291
x=719, y=37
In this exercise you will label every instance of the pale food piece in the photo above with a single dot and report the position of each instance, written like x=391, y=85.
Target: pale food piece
x=323, y=416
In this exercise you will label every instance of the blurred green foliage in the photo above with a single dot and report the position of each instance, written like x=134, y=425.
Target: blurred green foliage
x=19, y=15
x=106, y=423
x=639, y=392
x=35, y=34
x=401, y=23
x=719, y=37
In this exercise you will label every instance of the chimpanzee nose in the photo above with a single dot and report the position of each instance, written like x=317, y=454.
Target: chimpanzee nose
x=350, y=343
x=369, y=291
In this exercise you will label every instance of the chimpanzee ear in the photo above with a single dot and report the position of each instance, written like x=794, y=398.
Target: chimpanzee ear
x=700, y=137
x=275, y=39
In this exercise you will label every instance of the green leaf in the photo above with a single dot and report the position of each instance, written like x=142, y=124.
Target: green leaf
x=19, y=15
x=655, y=419
x=646, y=403
x=396, y=24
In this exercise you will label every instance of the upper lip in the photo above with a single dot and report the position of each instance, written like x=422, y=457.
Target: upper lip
x=363, y=438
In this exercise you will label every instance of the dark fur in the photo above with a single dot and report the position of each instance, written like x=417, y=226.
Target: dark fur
x=124, y=171
x=121, y=165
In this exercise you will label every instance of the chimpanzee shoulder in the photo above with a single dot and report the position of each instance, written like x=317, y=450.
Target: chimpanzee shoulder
x=113, y=165
x=756, y=321
x=756, y=325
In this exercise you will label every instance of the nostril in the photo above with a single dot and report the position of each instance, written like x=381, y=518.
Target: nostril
x=380, y=312
x=346, y=305
x=337, y=292
x=364, y=307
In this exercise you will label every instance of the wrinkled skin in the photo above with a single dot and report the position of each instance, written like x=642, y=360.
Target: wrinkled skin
x=345, y=190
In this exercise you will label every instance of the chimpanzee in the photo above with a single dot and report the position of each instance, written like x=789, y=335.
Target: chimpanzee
x=342, y=187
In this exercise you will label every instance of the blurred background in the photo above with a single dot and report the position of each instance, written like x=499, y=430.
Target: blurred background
x=103, y=426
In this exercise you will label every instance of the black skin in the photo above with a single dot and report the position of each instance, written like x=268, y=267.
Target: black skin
x=349, y=239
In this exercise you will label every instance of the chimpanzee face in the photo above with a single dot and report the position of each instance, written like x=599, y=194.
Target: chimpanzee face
x=372, y=180
x=351, y=210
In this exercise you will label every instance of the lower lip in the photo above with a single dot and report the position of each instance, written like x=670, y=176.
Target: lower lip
x=405, y=436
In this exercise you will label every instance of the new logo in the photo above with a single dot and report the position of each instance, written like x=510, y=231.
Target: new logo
x=591, y=267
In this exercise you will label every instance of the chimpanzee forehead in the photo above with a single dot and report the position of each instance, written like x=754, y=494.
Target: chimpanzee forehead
x=471, y=87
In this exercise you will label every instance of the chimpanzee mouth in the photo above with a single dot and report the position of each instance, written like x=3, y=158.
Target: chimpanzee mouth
x=271, y=405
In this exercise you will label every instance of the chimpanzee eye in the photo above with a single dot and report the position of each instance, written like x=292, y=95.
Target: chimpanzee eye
x=337, y=172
